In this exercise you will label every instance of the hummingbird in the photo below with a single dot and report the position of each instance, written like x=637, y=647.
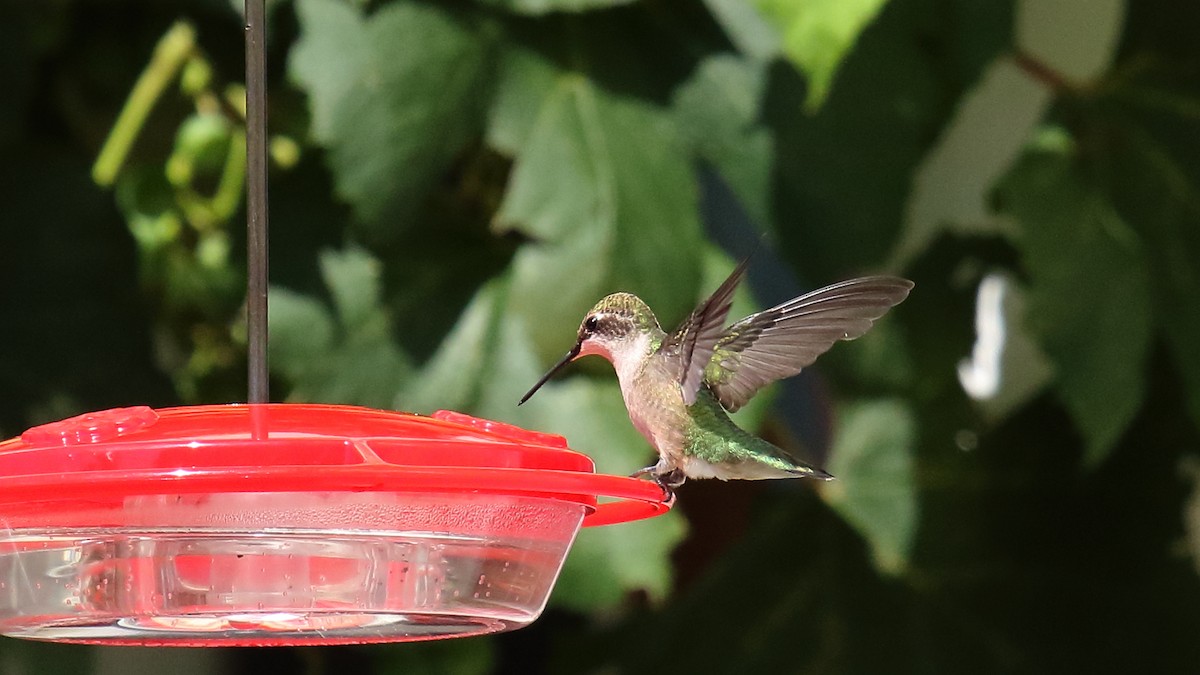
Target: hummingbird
x=679, y=387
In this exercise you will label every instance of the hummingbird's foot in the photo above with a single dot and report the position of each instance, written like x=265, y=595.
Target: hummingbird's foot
x=673, y=478
x=668, y=480
x=668, y=498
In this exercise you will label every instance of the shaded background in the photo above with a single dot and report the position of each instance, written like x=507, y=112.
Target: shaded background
x=454, y=183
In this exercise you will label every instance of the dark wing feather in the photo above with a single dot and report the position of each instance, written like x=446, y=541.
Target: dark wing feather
x=697, y=337
x=780, y=341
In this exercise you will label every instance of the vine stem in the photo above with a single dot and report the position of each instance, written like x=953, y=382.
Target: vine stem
x=171, y=52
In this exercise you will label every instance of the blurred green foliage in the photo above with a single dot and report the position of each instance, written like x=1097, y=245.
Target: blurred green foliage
x=454, y=183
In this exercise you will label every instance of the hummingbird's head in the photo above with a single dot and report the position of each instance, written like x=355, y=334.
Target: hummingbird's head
x=617, y=328
x=613, y=327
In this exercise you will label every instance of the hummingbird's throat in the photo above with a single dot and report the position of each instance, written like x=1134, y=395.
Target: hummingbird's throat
x=590, y=347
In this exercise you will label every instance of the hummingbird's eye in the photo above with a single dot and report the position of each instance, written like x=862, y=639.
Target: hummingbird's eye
x=591, y=324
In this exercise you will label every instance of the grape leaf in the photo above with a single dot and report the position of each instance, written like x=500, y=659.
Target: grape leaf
x=349, y=360
x=602, y=183
x=1076, y=246
x=818, y=34
x=1154, y=179
x=395, y=97
x=746, y=27
x=718, y=111
x=844, y=173
x=875, y=489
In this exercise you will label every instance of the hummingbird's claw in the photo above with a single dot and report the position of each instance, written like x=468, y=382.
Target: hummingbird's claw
x=668, y=481
x=668, y=494
x=642, y=472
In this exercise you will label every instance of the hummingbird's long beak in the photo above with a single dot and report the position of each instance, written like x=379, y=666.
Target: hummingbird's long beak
x=550, y=373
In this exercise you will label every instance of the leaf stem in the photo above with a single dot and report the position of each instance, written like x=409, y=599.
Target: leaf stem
x=170, y=54
x=1039, y=71
x=229, y=190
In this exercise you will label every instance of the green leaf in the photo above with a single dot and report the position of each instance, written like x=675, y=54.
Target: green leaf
x=1155, y=182
x=1089, y=293
x=1172, y=217
x=817, y=34
x=880, y=360
x=146, y=200
x=875, y=487
x=352, y=277
x=538, y=7
x=842, y=175
x=483, y=367
x=746, y=28
x=719, y=115
x=602, y=183
x=395, y=98
x=459, y=372
x=331, y=50
x=525, y=75
x=352, y=360
x=301, y=332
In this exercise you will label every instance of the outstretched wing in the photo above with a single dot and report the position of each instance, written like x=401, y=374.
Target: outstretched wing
x=781, y=341
x=695, y=340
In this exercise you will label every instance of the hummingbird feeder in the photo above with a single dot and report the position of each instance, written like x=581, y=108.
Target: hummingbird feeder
x=288, y=524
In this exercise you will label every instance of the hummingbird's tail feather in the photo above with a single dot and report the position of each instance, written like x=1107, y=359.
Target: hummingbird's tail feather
x=782, y=463
x=715, y=447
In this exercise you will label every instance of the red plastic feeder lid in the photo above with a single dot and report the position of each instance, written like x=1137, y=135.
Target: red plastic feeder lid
x=306, y=447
